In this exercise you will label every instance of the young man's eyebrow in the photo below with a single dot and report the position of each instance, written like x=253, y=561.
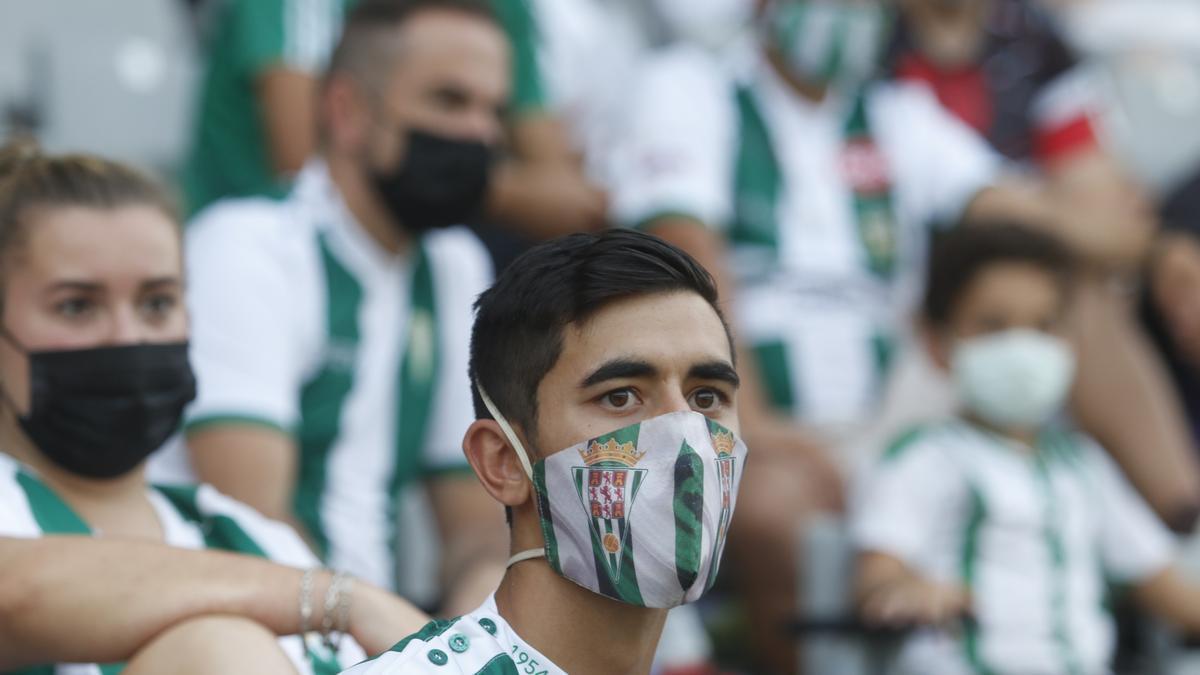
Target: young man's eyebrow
x=617, y=369
x=715, y=370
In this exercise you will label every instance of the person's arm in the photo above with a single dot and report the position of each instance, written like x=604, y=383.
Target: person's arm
x=1123, y=397
x=287, y=106
x=59, y=596
x=1172, y=597
x=541, y=190
x=888, y=593
x=254, y=464
x=1102, y=217
x=282, y=46
x=474, y=541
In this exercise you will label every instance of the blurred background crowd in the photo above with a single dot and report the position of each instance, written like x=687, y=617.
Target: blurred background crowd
x=806, y=160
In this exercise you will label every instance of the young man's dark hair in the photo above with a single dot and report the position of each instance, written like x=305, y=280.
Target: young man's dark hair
x=518, y=332
x=961, y=254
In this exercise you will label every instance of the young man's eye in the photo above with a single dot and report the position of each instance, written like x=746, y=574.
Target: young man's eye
x=706, y=399
x=619, y=399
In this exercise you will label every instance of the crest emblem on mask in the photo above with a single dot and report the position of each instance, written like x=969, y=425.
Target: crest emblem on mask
x=607, y=486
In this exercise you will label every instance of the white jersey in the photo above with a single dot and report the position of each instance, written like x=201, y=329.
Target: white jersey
x=729, y=144
x=1034, y=535
x=192, y=517
x=479, y=643
x=302, y=323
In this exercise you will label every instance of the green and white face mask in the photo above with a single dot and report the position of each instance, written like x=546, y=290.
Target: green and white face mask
x=641, y=514
x=827, y=42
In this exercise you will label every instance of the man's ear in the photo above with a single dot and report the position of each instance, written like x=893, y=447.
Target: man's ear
x=937, y=344
x=496, y=463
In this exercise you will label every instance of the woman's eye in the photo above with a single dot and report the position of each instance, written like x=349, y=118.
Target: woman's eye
x=619, y=399
x=159, y=304
x=74, y=307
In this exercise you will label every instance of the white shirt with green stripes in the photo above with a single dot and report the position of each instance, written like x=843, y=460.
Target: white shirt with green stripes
x=302, y=323
x=1036, y=536
x=30, y=509
x=479, y=643
x=820, y=318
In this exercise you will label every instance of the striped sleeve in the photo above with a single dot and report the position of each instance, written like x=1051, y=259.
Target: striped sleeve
x=904, y=502
x=296, y=34
x=462, y=270
x=1134, y=544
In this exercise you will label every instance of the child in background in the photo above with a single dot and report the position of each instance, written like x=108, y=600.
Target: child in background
x=1001, y=514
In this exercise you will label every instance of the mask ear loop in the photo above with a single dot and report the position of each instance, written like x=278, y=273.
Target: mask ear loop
x=508, y=431
x=532, y=553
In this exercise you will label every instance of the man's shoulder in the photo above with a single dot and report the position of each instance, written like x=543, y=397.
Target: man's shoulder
x=257, y=231
x=466, y=645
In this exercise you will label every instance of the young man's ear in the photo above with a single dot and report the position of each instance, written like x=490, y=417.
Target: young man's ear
x=937, y=344
x=496, y=463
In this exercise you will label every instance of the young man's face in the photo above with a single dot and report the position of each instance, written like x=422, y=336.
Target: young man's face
x=1004, y=296
x=636, y=359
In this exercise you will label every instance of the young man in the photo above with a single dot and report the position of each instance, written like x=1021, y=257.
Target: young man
x=1001, y=513
x=330, y=328
x=607, y=422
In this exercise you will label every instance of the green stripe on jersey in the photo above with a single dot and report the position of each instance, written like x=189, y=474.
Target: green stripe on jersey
x=758, y=180
x=967, y=562
x=418, y=377
x=220, y=531
x=52, y=514
x=323, y=398
x=1058, y=557
x=775, y=369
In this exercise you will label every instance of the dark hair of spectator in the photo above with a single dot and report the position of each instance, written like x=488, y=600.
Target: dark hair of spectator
x=368, y=45
x=518, y=332
x=962, y=254
x=31, y=181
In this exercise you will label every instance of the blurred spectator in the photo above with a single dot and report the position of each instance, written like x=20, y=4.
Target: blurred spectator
x=539, y=189
x=95, y=375
x=1000, y=66
x=256, y=120
x=1171, y=306
x=815, y=189
x=999, y=530
x=331, y=327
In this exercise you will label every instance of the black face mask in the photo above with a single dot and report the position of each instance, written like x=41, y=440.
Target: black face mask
x=100, y=412
x=440, y=182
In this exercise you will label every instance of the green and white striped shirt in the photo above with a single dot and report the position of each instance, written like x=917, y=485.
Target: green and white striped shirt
x=302, y=323
x=816, y=199
x=192, y=517
x=479, y=643
x=1035, y=535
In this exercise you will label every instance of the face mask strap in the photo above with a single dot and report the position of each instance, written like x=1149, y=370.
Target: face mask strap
x=508, y=431
x=522, y=556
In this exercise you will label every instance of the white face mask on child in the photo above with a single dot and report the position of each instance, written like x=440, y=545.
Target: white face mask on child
x=1015, y=379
